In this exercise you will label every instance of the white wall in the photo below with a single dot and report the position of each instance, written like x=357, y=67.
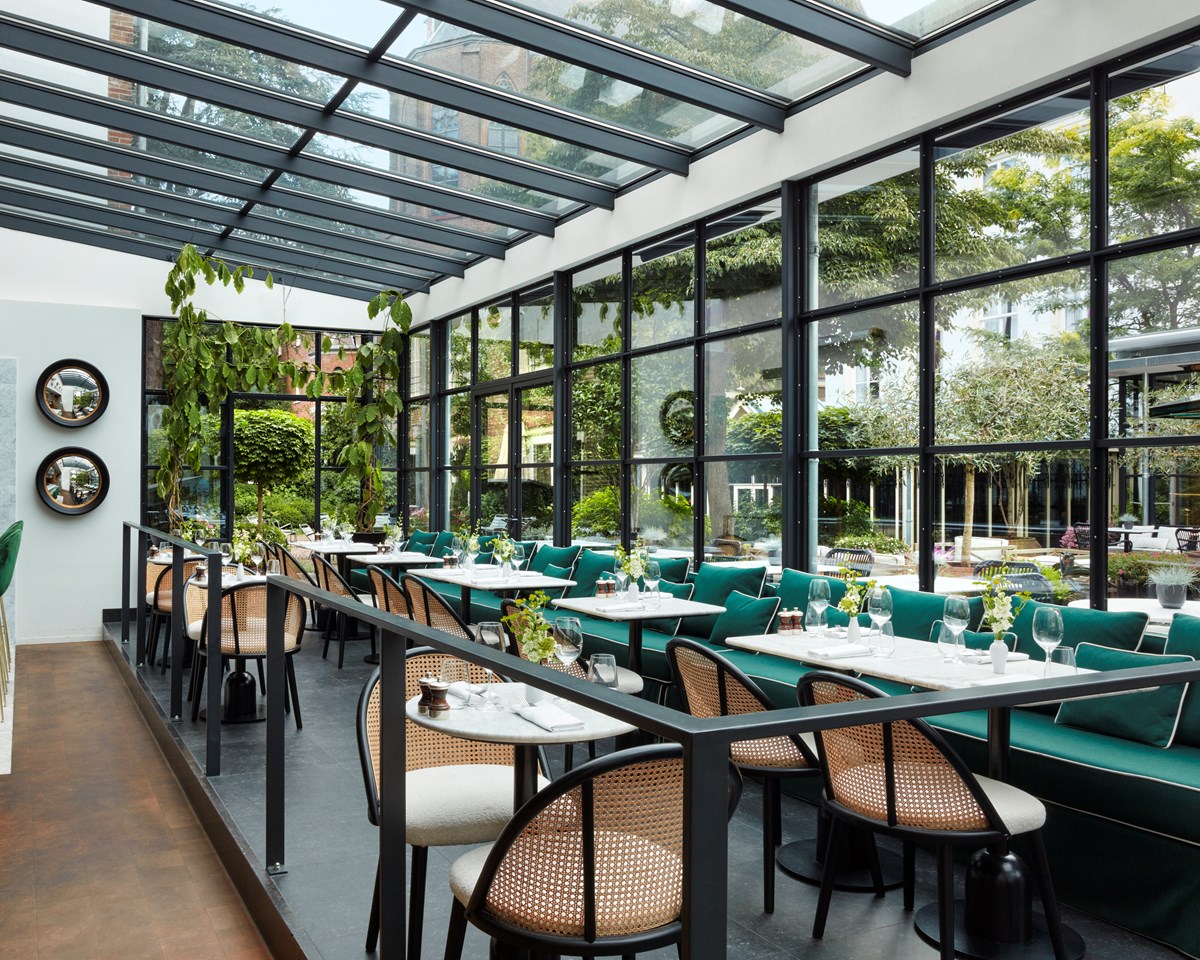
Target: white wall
x=1037, y=43
x=63, y=300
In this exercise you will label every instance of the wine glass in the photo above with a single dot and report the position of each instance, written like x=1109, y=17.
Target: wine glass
x=956, y=616
x=946, y=639
x=568, y=640
x=650, y=580
x=518, y=557
x=226, y=551
x=256, y=560
x=1047, y=631
x=818, y=595
x=491, y=635
x=622, y=579
x=879, y=608
x=457, y=549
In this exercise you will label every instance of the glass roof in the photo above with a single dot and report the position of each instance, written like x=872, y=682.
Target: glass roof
x=367, y=144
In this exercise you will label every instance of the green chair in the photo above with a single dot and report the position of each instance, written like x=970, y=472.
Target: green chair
x=10, y=542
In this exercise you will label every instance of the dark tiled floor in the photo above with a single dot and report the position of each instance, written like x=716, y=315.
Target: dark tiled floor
x=101, y=856
x=332, y=849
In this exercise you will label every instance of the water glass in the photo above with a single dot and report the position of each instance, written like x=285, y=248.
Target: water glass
x=568, y=640
x=1047, y=631
x=650, y=579
x=603, y=669
x=273, y=568
x=491, y=635
x=879, y=608
x=518, y=558
x=956, y=616
x=226, y=551
x=947, y=641
x=814, y=618
x=1063, y=659
x=883, y=643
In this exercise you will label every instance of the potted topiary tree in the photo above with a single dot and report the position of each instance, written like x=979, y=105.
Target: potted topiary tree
x=270, y=447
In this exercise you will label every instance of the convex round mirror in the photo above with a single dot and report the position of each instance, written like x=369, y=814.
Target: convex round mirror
x=72, y=393
x=72, y=481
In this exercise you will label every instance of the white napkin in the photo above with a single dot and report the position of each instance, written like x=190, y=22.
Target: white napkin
x=549, y=717
x=460, y=691
x=619, y=607
x=841, y=651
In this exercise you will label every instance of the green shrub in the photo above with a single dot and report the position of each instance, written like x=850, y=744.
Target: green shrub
x=287, y=509
x=876, y=540
x=855, y=516
x=597, y=514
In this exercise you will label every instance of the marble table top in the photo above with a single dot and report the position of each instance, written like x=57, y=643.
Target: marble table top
x=622, y=608
x=488, y=577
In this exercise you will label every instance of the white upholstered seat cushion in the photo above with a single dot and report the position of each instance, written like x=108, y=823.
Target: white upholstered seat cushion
x=195, y=628
x=464, y=803
x=1021, y=812
x=366, y=598
x=465, y=871
x=628, y=681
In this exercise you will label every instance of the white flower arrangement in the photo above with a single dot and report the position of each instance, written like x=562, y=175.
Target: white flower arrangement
x=1000, y=608
x=503, y=549
x=856, y=593
x=633, y=563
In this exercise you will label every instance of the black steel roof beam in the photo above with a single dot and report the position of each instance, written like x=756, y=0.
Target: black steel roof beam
x=119, y=191
x=107, y=113
x=58, y=143
x=18, y=33
x=154, y=251
x=268, y=254
x=593, y=51
x=833, y=29
x=414, y=80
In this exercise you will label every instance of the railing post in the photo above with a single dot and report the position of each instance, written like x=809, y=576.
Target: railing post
x=277, y=599
x=178, y=618
x=392, y=869
x=125, y=578
x=143, y=541
x=212, y=719
x=705, y=848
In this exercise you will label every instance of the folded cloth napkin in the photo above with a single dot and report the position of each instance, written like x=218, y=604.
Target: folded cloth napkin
x=460, y=691
x=549, y=717
x=621, y=607
x=841, y=651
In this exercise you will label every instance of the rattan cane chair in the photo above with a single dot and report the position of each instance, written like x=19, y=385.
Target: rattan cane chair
x=902, y=778
x=389, y=595
x=244, y=637
x=711, y=686
x=159, y=602
x=591, y=866
x=10, y=543
x=330, y=580
x=291, y=566
x=429, y=607
x=456, y=791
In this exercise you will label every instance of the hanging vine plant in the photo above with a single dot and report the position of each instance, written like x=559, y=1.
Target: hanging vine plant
x=205, y=359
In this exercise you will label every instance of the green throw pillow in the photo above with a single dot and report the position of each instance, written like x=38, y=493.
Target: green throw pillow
x=674, y=569
x=972, y=639
x=744, y=617
x=562, y=573
x=1121, y=631
x=1149, y=717
x=792, y=591
x=588, y=568
x=556, y=556
x=422, y=541
x=714, y=583
x=484, y=556
x=670, y=625
x=441, y=544
x=913, y=612
x=1184, y=640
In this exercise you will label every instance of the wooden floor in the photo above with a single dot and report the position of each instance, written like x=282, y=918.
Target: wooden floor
x=100, y=854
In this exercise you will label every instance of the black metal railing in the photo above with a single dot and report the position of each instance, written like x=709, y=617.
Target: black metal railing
x=705, y=745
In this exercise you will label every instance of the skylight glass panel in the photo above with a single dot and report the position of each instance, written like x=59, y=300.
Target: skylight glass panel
x=918, y=18
x=494, y=136
x=360, y=22
x=712, y=39
x=506, y=66
x=195, y=223
x=147, y=233
x=349, y=260
x=349, y=230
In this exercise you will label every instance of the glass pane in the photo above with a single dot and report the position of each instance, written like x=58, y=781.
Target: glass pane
x=458, y=490
x=419, y=363
x=537, y=425
x=744, y=403
x=1014, y=189
x=866, y=504
x=916, y=18
x=1013, y=362
x=458, y=334
x=596, y=408
x=664, y=418
x=742, y=270
x=1015, y=506
x=493, y=428
x=283, y=218
x=596, y=504
x=419, y=451
x=339, y=498
x=866, y=379
x=662, y=506
x=537, y=503
x=495, y=342
x=1156, y=490
x=535, y=311
x=868, y=231
x=493, y=502
x=201, y=496
x=459, y=405
x=505, y=66
x=596, y=307
x=361, y=22
x=210, y=435
x=664, y=291
x=1154, y=334
x=745, y=508
x=336, y=431
x=418, y=500
x=1153, y=171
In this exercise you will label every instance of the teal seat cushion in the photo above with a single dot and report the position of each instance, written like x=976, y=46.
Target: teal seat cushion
x=1123, y=630
x=561, y=573
x=714, y=583
x=530, y=547
x=681, y=591
x=792, y=591
x=422, y=538
x=1146, y=717
x=674, y=569
x=1184, y=639
x=485, y=540
x=744, y=616
x=972, y=639
x=562, y=557
x=441, y=545
x=913, y=612
x=588, y=569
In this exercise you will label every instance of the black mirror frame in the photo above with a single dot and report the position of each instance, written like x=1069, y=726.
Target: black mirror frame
x=48, y=500
x=91, y=371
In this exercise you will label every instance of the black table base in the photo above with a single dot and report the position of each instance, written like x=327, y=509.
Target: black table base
x=975, y=947
x=800, y=859
x=240, y=700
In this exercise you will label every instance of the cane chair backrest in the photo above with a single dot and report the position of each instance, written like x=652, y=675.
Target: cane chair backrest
x=858, y=560
x=389, y=595
x=244, y=621
x=164, y=585
x=711, y=686
x=423, y=747
x=899, y=773
x=427, y=606
x=575, y=668
x=1188, y=539
x=329, y=579
x=292, y=568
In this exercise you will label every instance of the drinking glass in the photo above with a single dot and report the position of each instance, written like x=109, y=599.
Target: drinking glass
x=226, y=551
x=651, y=580
x=272, y=567
x=883, y=643
x=491, y=635
x=457, y=549
x=256, y=560
x=452, y=671
x=879, y=608
x=568, y=640
x=1047, y=631
x=1063, y=659
x=603, y=669
x=818, y=596
x=518, y=558
x=622, y=579
x=956, y=617
x=814, y=618
x=947, y=641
